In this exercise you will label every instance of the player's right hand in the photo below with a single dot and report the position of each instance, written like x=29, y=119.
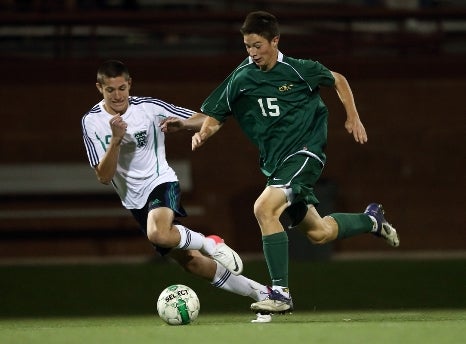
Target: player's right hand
x=198, y=140
x=118, y=126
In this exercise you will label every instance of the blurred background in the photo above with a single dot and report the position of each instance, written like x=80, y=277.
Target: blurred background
x=406, y=63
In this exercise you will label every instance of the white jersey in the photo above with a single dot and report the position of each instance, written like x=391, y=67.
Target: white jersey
x=142, y=163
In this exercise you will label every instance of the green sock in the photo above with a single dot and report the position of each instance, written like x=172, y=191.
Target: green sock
x=276, y=255
x=350, y=225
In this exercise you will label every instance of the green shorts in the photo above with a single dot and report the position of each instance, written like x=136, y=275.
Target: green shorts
x=300, y=172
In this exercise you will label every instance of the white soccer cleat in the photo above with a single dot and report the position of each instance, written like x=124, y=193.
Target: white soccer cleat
x=262, y=318
x=226, y=256
x=384, y=229
x=390, y=235
x=275, y=302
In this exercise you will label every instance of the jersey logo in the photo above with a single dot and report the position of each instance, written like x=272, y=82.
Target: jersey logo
x=155, y=204
x=141, y=138
x=285, y=87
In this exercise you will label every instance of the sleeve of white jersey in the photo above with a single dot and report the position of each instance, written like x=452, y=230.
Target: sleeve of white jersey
x=164, y=110
x=95, y=147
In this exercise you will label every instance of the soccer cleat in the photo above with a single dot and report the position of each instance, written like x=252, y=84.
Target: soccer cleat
x=384, y=229
x=262, y=318
x=275, y=302
x=226, y=256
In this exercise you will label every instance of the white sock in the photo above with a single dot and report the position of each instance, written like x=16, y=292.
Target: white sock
x=190, y=240
x=375, y=225
x=283, y=290
x=240, y=285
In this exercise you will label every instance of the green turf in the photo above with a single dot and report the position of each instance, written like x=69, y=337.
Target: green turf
x=404, y=327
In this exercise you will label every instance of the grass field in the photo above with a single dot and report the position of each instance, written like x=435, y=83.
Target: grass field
x=419, y=301
x=410, y=327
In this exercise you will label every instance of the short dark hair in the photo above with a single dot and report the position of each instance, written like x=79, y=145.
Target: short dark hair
x=261, y=23
x=112, y=69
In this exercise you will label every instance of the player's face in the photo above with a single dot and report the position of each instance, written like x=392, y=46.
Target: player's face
x=263, y=53
x=116, y=93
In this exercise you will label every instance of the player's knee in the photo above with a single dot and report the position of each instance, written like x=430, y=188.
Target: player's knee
x=317, y=239
x=153, y=236
x=318, y=236
x=158, y=236
x=264, y=212
x=259, y=211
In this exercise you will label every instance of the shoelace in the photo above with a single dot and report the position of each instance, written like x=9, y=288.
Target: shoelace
x=276, y=295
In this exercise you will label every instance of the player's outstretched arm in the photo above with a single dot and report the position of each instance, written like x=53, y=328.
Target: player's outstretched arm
x=209, y=128
x=173, y=124
x=353, y=123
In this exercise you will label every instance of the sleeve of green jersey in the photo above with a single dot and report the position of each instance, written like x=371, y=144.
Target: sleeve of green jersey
x=216, y=104
x=316, y=74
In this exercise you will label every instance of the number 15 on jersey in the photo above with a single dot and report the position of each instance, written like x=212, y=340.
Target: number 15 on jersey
x=269, y=107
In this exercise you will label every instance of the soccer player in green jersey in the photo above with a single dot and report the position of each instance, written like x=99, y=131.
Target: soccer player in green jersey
x=276, y=101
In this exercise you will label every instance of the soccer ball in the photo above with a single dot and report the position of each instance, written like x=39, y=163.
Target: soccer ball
x=178, y=305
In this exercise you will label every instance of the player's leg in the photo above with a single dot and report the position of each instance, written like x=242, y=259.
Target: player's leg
x=346, y=225
x=177, y=236
x=163, y=232
x=163, y=205
x=317, y=229
x=292, y=182
x=334, y=226
x=267, y=209
x=160, y=229
x=197, y=264
x=157, y=220
x=181, y=238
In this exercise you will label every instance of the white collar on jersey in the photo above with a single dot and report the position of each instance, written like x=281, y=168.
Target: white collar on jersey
x=279, y=58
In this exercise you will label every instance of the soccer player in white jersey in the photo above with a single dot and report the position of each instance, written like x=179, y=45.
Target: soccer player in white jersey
x=125, y=146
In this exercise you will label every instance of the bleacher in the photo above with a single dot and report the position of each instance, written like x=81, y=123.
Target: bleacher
x=70, y=29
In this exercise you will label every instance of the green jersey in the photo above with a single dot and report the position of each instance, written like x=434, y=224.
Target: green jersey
x=280, y=110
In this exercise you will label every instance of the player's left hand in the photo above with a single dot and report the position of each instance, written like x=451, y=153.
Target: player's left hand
x=355, y=127
x=171, y=124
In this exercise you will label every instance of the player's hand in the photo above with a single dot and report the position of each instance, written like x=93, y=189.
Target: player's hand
x=118, y=126
x=355, y=127
x=171, y=124
x=198, y=140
